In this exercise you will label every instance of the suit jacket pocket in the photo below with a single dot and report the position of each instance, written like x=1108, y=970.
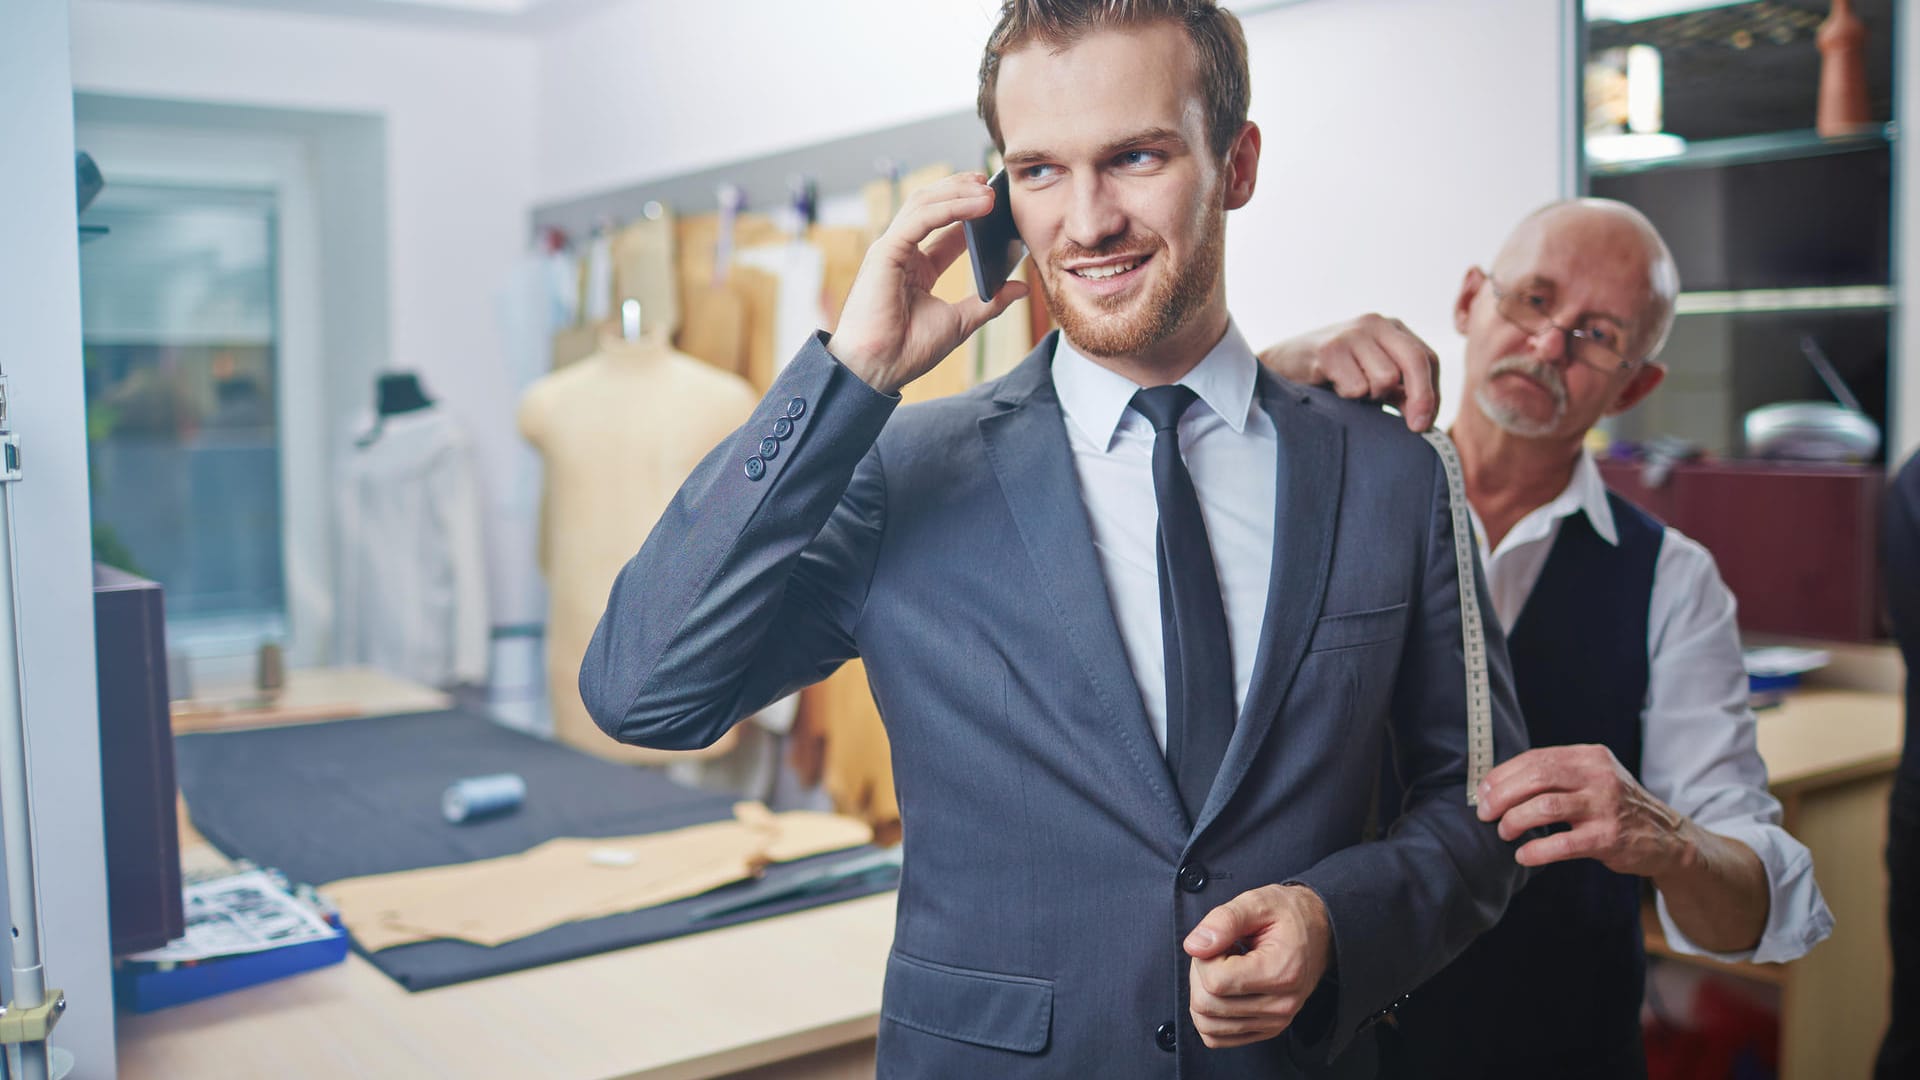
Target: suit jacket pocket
x=1352, y=629
x=1006, y=1012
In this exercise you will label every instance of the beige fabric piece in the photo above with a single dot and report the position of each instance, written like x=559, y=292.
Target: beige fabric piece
x=618, y=432
x=494, y=901
x=644, y=270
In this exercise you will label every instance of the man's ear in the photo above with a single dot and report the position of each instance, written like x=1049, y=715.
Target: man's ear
x=1463, y=303
x=1243, y=165
x=1643, y=382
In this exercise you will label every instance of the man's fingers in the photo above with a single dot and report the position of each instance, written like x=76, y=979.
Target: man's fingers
x=1382, y=374
x=945, y=245
x=1224, y=1034
x=1254, y=974
x=1576, y=843
x=1235, y=1041
x=1550, y=808
x=1523, y=776
x=957, y=198
x=1222, y=927
x=1237, y=1022
x=1419, y=371
x=974, y=314
x=1342, y=370
x=1204, y=1002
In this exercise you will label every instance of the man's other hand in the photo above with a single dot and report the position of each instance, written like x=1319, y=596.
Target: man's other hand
x=1371, y=358
x=1256, y=959
x=893, y=329
x=1610, y=816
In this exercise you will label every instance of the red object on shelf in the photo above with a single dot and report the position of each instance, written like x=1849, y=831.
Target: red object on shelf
x=1797, y=543
x=1842, y=40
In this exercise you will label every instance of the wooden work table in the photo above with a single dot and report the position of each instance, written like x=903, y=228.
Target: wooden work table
x=704, y=1005
x=1830, y=758
x=773, y=990
x=698, y=1006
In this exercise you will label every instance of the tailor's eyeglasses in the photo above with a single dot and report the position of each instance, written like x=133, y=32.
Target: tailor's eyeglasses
x=1595, y=342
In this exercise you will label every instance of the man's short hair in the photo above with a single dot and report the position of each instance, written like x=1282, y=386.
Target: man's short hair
x=1057, y=24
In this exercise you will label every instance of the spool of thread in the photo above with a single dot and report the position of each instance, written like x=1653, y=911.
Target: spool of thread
x=478, y=797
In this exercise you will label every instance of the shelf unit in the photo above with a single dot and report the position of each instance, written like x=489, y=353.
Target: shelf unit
x=1752, y=149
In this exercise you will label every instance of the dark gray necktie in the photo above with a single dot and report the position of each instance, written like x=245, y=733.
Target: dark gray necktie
x=1193, y=621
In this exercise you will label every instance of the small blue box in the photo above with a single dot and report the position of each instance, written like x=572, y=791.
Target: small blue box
x=143, y=987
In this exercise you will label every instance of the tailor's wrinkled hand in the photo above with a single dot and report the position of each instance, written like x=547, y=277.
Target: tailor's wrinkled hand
x=1610, y=817
x=1256, y=959
x=1371, y=358
x=893, y=329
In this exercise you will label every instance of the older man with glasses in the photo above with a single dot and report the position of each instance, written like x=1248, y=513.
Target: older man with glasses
x=1625, y=655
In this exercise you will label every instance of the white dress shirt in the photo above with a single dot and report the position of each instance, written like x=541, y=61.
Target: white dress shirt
x=1229, y=444
x=1698, y=753
x=412, y=593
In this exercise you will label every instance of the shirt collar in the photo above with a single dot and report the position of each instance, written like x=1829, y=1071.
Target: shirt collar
x=1095, y=398
x=1593, y=497
x=1585, y=493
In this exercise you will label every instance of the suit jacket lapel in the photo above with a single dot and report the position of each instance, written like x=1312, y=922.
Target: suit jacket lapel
x=1312, y=452
x=1027, y=444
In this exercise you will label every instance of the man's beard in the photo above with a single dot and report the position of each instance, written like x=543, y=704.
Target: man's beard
x=1112, y=330
x=1512, y=420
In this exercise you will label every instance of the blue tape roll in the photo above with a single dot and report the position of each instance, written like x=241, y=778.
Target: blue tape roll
x=479, y=797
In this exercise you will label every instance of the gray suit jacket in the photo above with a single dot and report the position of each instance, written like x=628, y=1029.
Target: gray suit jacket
x=1051, y=872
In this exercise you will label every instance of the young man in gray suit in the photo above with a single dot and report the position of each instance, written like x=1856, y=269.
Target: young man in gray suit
x=1142, y=621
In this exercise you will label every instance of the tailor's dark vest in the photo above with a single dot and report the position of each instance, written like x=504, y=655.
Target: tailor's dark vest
x=1555, y=988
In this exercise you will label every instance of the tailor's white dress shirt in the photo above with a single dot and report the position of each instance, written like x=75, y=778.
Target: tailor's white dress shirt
x=1698, y=753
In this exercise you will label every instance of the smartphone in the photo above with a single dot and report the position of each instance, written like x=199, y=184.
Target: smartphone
x=993, y=244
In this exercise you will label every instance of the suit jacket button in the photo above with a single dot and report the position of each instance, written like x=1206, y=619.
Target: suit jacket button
x=1163, y=1036
x=769, y=447
x=1193, y=877
x=796, y=408
x=782, y=428
x=756, y=467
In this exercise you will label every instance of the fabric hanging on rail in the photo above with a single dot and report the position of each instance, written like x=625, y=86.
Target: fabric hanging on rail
x=800, y=268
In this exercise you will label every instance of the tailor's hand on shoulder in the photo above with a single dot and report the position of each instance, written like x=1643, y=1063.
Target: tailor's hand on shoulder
x=1256, y=959
x=1610, y=816
x=893, y=329
x=1371, y=358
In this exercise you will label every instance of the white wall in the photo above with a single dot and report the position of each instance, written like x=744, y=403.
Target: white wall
x=40, y=352
x=458, y=110
x=643, y=89
x=1403, y=137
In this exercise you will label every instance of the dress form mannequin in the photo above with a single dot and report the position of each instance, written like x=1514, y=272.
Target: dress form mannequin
x=618, y=433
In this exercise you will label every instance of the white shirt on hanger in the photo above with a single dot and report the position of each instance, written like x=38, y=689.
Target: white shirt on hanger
x=412, y=591
x=801, y=269
x=1229, y=444
x=1698, y=753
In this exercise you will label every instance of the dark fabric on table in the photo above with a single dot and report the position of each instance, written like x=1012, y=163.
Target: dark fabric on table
x=327, y=801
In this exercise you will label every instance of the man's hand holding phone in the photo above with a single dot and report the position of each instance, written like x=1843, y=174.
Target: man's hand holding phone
x=893, y=329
